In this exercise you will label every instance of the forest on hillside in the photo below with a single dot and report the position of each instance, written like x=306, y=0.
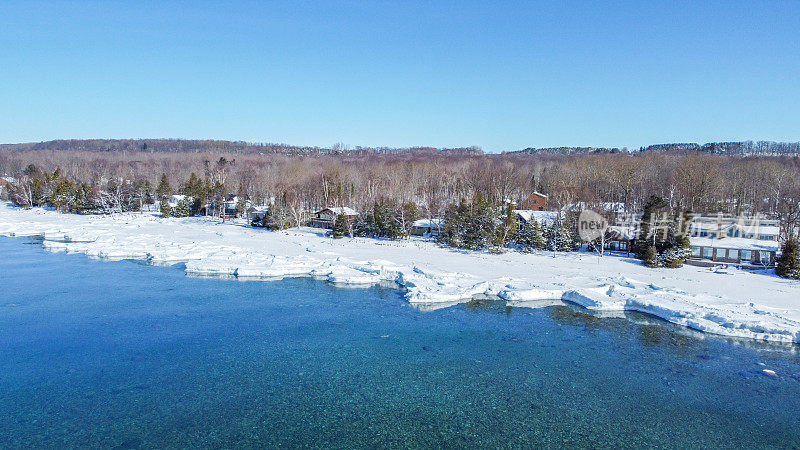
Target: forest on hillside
x=219, y=146
x=735, y=148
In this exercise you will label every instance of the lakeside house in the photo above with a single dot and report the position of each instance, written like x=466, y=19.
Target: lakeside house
x=258, y=213
x=525, y=216
x=231, y=206
x=748, y=241
x=749, y=253
x=619, y=239
x=177, y=198
x=426, y=227
x=714, y=227
x=325, y=218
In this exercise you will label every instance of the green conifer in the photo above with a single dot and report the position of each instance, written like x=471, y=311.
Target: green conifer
x=788, y=264
x=340, y=227
x=166, y=210
x=651, y=257
x=164, y=189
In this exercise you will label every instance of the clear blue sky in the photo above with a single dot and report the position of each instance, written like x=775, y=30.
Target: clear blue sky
x=500, y=75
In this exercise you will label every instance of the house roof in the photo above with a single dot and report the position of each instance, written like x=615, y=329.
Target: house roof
x=735, y=243
x=764, y=230
x=340, y=210
x=622, y=232
x=546, y=217
x=427, y=223
x=177, y=198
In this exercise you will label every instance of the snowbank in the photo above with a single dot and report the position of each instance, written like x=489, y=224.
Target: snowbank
x=737, y=303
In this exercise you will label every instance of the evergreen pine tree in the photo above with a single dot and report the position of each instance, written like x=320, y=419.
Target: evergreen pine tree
x=645, y=240
x=196, y=189
x=63, y=195
x=241, y=205
x=166, y=210
x=183, y=208
x=564, y=242
x=537, y=236
x=381, y=219
x=671, y=258
x=340, y=227
x=788, y=264
x=38, y=192
x=164, y=189
x=549, y=233
x=83, y=198
x=651, y=257
x=508, y=230
x=531, y=237
x=479, y=224
x=363, y=225
x=526, y=236
x=452, y=229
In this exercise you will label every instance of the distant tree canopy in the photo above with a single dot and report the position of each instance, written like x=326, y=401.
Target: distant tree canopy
x=739, y=148
x=215, y=146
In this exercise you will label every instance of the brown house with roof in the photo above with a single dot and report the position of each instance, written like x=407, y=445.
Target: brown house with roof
x=536, y=201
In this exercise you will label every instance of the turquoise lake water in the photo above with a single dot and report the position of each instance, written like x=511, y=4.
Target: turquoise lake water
x=126, y=355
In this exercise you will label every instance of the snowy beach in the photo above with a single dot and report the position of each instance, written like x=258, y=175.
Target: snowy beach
x=734, y=303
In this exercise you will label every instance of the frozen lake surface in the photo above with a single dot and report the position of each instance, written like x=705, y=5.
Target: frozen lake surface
x=127, y=355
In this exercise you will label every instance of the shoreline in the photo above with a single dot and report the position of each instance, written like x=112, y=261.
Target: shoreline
x=735, y=304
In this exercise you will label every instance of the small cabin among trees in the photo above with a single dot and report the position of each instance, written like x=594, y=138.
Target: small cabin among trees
x=325, y=218
x=619, y=239
x=426, y=227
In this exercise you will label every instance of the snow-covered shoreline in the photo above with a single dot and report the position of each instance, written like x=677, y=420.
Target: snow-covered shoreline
x=736, y=304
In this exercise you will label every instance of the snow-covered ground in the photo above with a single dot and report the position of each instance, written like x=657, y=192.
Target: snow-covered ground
x=733, y=303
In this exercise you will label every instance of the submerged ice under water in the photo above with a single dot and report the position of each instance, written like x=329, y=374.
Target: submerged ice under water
x=121, y=354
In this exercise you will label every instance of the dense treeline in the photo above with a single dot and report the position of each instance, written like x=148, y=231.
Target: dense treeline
x=698, y=182
x=569, y=150
x=215, y=146
x=739, y=148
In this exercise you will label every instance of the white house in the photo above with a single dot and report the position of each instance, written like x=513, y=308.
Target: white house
x=747, y=252
x=177, y=198
x=717, y=227
x=749, y=241
x=542, y=217
x=232, y=203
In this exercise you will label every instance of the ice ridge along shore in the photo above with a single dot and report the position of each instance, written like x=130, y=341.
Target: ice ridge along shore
x=734, y=303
